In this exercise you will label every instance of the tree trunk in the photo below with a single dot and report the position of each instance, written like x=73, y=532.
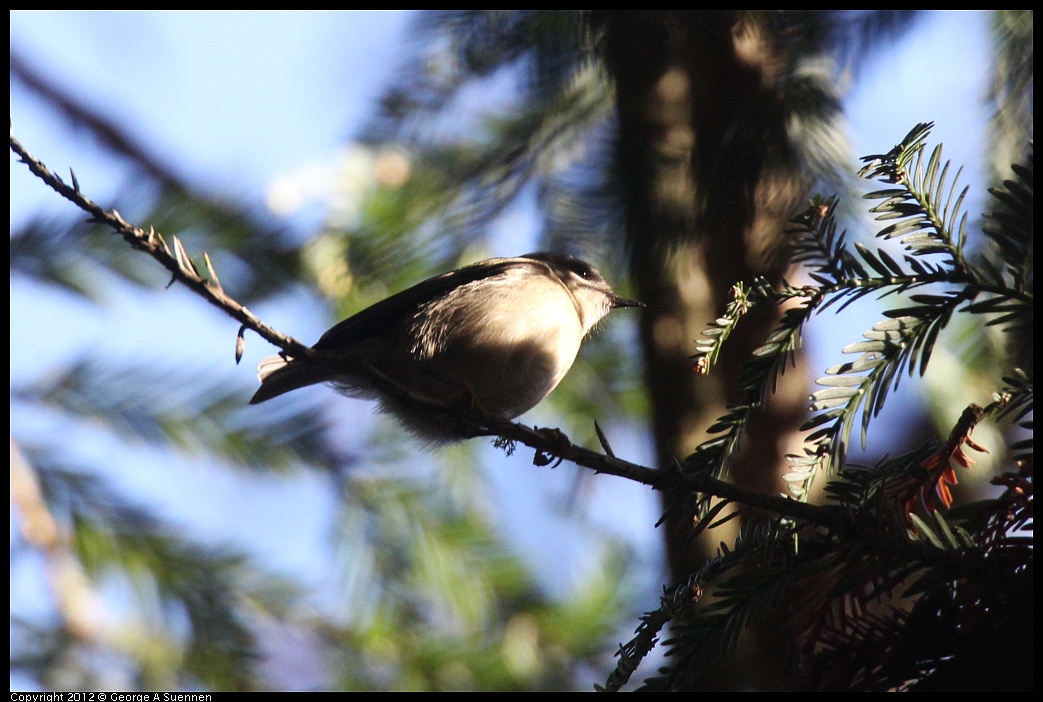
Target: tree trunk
x=704, y=158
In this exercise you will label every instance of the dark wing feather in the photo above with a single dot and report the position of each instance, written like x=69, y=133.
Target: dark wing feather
x=387, y=314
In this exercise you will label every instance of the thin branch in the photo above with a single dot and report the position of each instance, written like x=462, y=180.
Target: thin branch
x=469, y=423
x=153, y=243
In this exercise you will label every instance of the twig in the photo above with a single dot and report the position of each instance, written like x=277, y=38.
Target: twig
x=153, y=243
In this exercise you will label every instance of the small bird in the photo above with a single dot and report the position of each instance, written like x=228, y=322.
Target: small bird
x=496, y=336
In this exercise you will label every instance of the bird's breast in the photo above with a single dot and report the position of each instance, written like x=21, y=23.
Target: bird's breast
x=506, y=345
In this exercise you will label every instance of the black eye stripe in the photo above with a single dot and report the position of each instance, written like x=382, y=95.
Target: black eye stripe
x=564, y=262
x=582, y=270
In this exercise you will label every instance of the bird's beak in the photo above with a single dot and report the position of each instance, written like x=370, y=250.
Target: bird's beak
x=618, y=302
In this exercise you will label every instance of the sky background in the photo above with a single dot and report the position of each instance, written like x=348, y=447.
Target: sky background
x=242, y=103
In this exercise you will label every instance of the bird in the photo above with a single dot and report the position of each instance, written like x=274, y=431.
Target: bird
x=494, y=337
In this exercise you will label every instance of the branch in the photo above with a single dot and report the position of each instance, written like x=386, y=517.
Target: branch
x=546, y=442
x=177, y=261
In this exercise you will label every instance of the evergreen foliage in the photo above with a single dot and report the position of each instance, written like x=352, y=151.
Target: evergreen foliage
x=900, y=589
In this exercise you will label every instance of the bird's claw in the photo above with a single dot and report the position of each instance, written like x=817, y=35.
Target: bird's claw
x=562, y=445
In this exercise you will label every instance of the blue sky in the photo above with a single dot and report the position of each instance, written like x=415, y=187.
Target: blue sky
x=237, y=100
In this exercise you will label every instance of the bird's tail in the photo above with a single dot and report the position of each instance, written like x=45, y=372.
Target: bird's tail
x=280, y=375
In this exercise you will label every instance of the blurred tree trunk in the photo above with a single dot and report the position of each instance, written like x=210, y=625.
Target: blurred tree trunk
x=709, y=186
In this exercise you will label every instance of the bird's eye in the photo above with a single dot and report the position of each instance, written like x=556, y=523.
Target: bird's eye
x=583, y=270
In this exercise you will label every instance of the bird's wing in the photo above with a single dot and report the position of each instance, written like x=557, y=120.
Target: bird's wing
x=385, y=315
